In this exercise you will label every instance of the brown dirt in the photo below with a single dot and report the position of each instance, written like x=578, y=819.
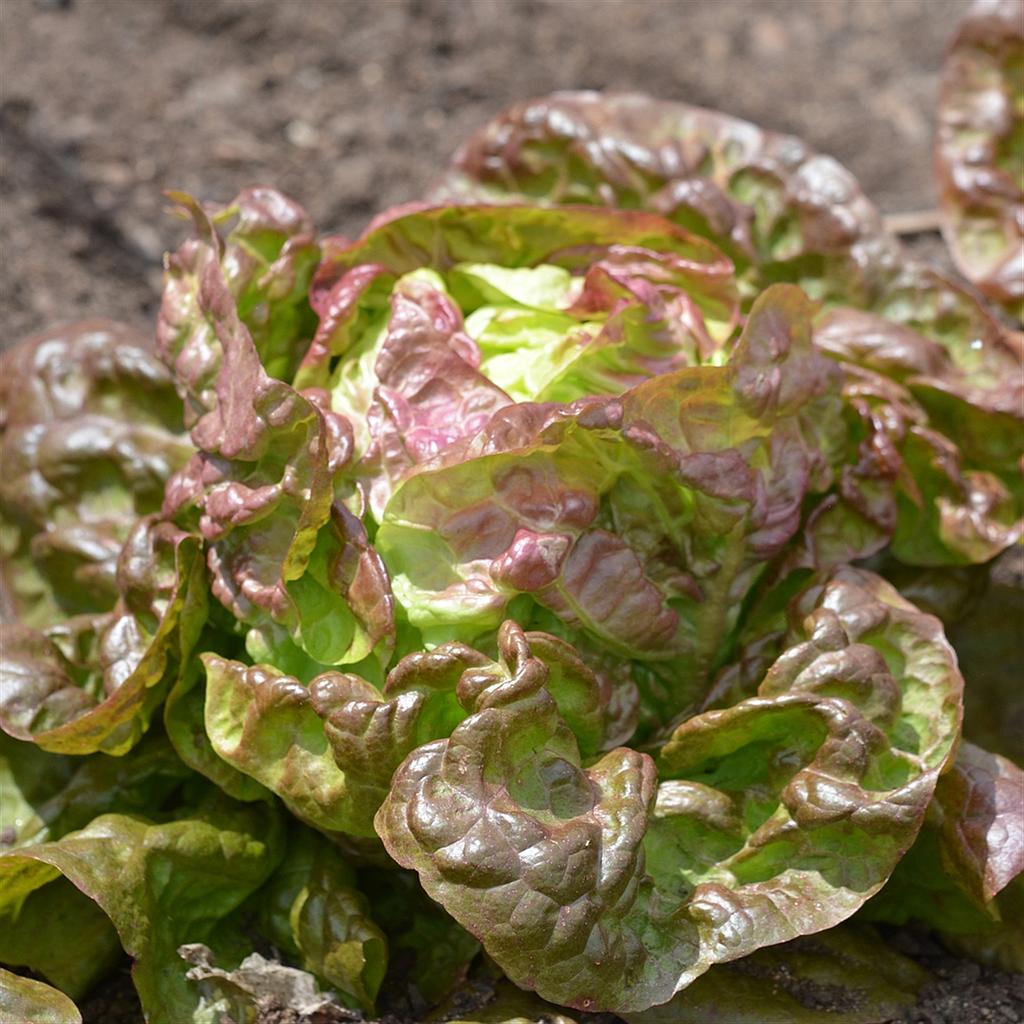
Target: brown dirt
x=962, y=992
x=351, y=105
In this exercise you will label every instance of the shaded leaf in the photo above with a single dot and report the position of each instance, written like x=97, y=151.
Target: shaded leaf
x=89, y=432
x=979, y=149
x=95, y=682
x=430, y=952
x=23, y=999
x=981, y=805
x=44, y=796
x=161, y=884
x=316, y=914
x=988, y=645
x=846, y=975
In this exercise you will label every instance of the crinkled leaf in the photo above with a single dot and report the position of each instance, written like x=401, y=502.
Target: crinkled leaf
x=630, y=315
x=261, y=488
x=95, y=682
x=262, y=723
x=424, y=334
x=912, y=485
x=89, y=432
x=981, y=350
x=779, y=210
x=350, y=291
x=987, y=436
x=329, y=749
x=161, y=884
x=427, y=392
x=980, y=149
x=370, y=733
x=641, y=521
x=956, y=517
x=426, y=695
x=779, y=817
x=784, y=213
x=941, y=438
x=267, y=259
x=981, y=809
x=935, y=399
x=345, y=606
x=972, y=365
x=964, y=876
x=24, y=999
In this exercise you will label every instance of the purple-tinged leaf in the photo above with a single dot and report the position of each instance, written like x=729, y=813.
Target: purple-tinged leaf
x=639, y=521
x=978, y=150
x=89, y=432
x=95, y=682
x=981, y=805
x=279, y=552
x=778, y=817
x=267, y=260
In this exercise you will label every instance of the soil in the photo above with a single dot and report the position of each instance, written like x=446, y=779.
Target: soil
x=962, y=992
x=352, y=105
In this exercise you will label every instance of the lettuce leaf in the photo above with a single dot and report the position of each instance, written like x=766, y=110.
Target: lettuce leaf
x=95, y=682
x=329, y=749
x=780, y=211
x=259, y=490
x=313, y=911
x=27, y=999
x=640, y=522
x=267, y=259
x=964, y=876
x=160, y=883
x=978, y=150
x=90, y=429
x=437, y=318
x=846, y=975
x=777, y=817
x=784, y=213
x=44, y=796
x=988, y=645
